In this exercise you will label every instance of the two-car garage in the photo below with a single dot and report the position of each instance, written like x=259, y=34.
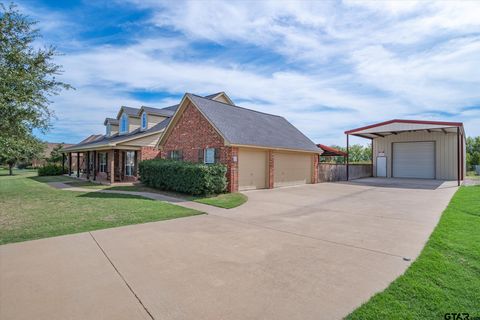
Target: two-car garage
x=257, y=166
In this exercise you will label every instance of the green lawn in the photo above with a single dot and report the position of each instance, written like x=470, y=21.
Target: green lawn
x=227, y=200
x=446, y=276
x=30, y=209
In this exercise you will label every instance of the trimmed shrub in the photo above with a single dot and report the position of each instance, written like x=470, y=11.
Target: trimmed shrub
x=185, y=177
x=51, y=170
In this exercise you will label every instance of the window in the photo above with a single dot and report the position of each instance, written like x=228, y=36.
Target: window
x=124, y=123
x=102, y=162
x=91, y=161
x=176, y=155
x=129, y=163
x=109, y=130
x=209, y=156
x=144, y=120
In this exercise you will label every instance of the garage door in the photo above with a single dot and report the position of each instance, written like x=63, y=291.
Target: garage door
x=414, y=160
x=252, y=169
x=292, y=169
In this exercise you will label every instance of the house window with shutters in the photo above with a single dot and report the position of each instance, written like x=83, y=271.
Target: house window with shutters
x=103, y=162
x=209, y=155
x=175, y=155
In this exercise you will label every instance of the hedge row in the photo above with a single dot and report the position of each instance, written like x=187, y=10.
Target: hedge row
x=185, y=177
x=51, y=170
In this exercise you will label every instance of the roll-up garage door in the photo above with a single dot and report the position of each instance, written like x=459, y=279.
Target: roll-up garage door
x=252, y=169
x=414, y=160
x=292, y=169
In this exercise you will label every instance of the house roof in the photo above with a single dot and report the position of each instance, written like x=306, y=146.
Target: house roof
x=331, y=152
x=396, y=126
x=157, y=111
x=132, y=112
x=243, y=126
x=111, y=121
x=103, y=140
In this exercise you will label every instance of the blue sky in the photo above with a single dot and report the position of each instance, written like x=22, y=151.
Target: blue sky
x=326, y=66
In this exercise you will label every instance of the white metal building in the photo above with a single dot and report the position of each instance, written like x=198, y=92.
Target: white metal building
x=416, y=149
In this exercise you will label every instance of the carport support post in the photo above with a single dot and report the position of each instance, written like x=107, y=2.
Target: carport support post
x=348, y=155
x=63, y=162
x=458, y=156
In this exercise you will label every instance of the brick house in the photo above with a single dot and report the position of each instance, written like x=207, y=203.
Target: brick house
x=260, y=150
x=129, y=138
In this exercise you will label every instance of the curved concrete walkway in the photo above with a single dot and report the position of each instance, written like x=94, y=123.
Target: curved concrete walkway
x=309, y=252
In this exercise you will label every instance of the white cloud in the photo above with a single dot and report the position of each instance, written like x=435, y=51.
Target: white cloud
x=371, y=60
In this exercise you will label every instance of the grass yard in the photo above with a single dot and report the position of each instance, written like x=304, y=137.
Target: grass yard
x=30, y=209
x=227, y=200
x=446, y=276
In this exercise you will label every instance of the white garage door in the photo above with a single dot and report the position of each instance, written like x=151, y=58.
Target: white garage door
x=252, y=169
x=292, y=169
x=414, y=160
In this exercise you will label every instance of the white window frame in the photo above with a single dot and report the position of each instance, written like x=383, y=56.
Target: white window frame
x=212, y=155
x=130, y=163
x=124, y=123
x=102, y=162
x=144, y=120
x=175, y=155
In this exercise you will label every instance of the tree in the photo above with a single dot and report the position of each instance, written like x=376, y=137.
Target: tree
x=56, y=156
x=27, y=81
x=473, y=152
x=14, y=150
x=358, y=154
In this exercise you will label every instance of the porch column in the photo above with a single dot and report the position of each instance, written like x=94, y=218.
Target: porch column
x=63, y=162
x=69, y=163
x=135, y=164
x=88, y=165
x=112, y=167
x=458, y=156
x=348, y=156
x=94, y=165
x=78, y=164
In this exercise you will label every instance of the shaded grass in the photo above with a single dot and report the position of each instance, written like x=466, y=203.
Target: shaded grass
x=446, y=276
x=227, y=200
x=30, y=209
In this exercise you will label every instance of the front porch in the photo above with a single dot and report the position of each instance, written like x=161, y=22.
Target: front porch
x=112, y=166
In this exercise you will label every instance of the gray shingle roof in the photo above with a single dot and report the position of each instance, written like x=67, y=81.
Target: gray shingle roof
x=133, y=112
x=117, y=138
x=249, y=127
x=111, y=121
x=157, y=111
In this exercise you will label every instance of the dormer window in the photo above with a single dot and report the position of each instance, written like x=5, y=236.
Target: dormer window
x=144, y=120
x=124, y=124
x=109, y=130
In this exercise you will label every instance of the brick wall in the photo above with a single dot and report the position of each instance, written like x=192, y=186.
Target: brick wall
x=147, y=153
x=193, y=133
x=271, y=169
x=315, y=168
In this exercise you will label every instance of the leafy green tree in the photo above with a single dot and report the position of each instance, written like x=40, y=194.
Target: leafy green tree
x=358, y=154
x=14, y=150
x=56, y=155
x=473, y=152
x=27, y=81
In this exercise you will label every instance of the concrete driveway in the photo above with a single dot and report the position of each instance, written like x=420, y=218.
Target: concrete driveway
x=309, y=252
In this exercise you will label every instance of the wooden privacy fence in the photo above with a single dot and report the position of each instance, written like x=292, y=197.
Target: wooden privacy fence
x=328, y=172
